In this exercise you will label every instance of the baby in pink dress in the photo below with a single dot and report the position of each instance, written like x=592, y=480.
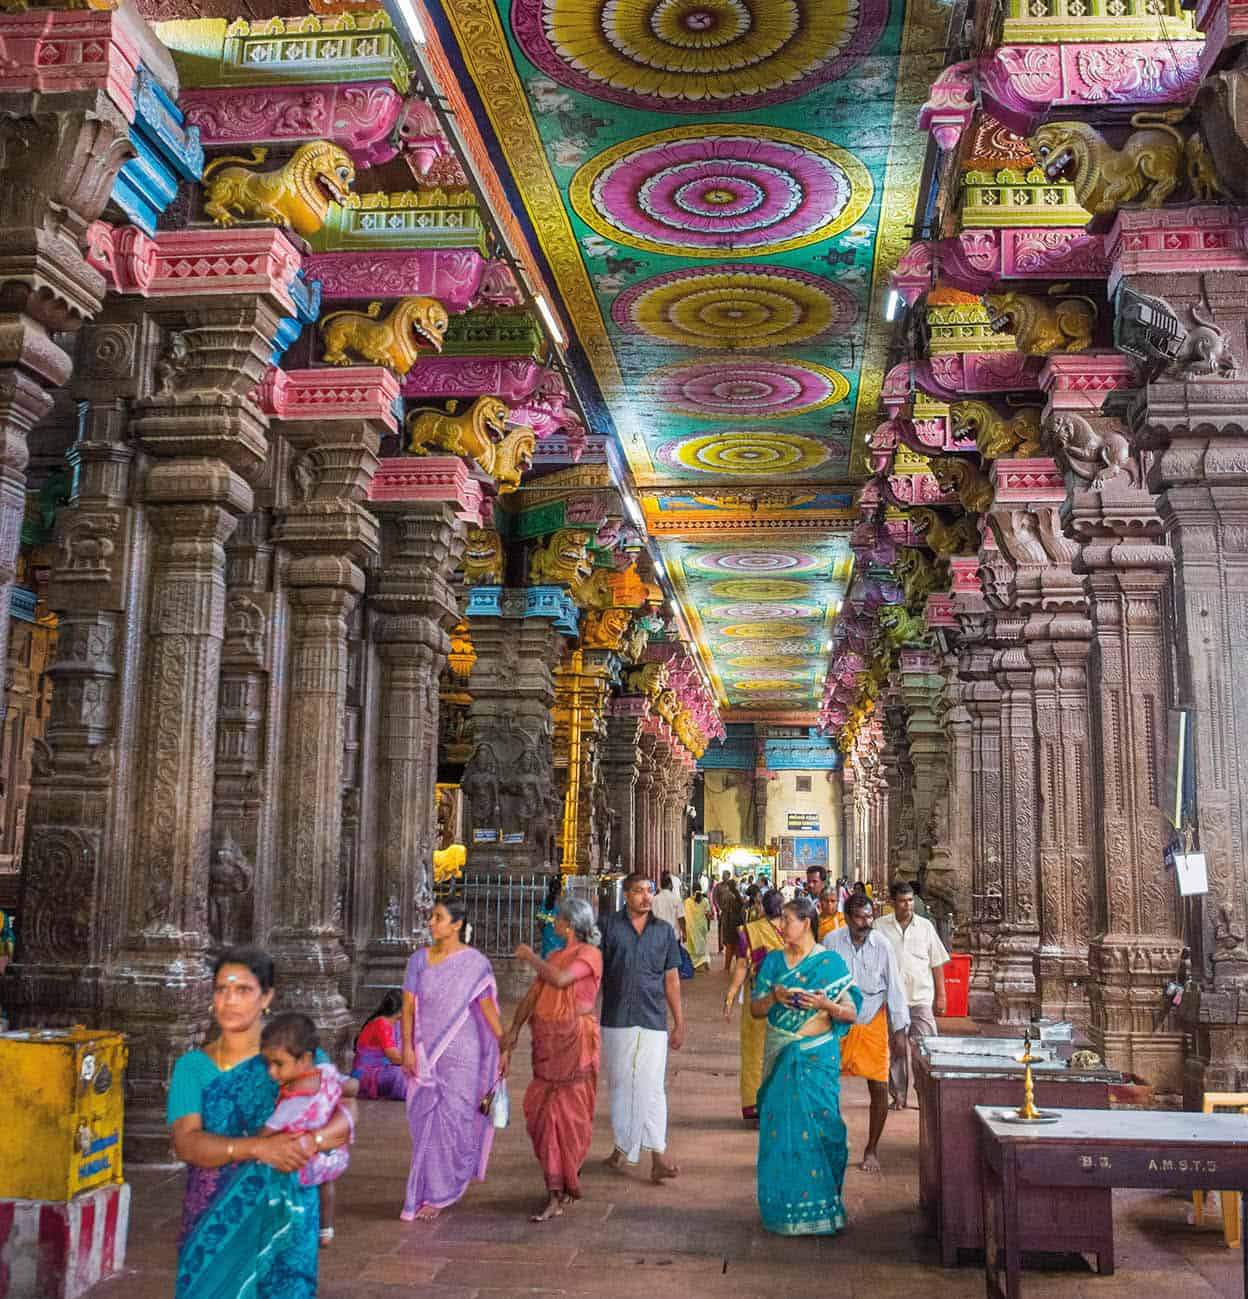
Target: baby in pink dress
x=311, y=1092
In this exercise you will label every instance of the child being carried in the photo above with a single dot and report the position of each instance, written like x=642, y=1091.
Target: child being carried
x=310, y=1094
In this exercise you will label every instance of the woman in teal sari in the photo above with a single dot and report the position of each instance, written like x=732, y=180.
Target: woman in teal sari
x=249, y=1230
x=809, y=1000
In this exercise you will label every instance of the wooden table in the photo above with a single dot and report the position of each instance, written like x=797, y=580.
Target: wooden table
x=1088, y=1149
x=952, y=1076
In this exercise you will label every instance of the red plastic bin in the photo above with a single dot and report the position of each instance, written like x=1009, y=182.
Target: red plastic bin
x=957, y=984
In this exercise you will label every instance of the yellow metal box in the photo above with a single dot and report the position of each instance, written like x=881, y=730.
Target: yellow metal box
x=61, y=1111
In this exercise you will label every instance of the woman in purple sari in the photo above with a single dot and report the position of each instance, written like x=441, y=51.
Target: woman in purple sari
x=451, y=1031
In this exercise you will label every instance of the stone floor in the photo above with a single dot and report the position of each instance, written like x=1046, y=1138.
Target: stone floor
x=693, y=1238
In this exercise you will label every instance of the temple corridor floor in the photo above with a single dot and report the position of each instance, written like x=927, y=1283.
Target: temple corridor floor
x=695, y=1238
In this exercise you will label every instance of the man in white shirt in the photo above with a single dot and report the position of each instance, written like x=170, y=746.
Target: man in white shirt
x=865, y=1048
x=668, y=906
x=921, y=957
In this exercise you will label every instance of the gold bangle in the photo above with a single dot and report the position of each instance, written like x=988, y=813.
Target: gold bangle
x=320, y=1136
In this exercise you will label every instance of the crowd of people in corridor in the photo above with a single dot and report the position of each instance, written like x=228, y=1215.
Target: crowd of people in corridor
x=264, y=1121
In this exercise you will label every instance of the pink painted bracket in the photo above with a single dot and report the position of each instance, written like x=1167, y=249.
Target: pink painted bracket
x=370, y=119
x=1036, y=479
x=1080, y=382
x=1020, y=84
x=357, y=392
x=1224, y=23
x=975, y=261
x=513, y=378
x=964, y=574
x=1168, y=241
x=210, y=262
x=452, y=275
x=431, y=478
x=955, y=375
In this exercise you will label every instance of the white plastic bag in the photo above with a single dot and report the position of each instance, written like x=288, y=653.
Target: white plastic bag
x=500, y=1106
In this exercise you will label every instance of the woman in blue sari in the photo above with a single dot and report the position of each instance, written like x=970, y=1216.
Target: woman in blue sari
x=809, y=1000
x=249, y=1230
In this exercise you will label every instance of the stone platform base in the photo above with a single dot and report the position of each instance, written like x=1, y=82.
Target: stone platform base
x=60, y=1250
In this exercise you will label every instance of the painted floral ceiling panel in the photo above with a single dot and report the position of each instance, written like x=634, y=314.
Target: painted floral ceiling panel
x=718, y=189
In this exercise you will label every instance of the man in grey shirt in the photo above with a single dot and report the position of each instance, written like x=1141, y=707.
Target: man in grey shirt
x=864, y=1049
x=640, y=984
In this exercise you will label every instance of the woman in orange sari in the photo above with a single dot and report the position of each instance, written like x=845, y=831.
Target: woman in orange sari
x=559, y=1102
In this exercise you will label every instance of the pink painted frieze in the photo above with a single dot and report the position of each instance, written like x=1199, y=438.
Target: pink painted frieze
x=1032, y=480
x=1081, y=381
x=452, y=275
x=975, y=261
x=1180, y=240
x=951, y=376
x=357, y=391
x=64, y=51
x=964, y=575
x=431, y=478
x=513, y=378
x=204, y=262
x=1019, y=84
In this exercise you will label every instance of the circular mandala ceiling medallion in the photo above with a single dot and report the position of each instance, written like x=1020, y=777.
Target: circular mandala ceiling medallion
x=743, y=453
x=778, y=661
x=728, y=649
x=759, y=589
x=762, y=630
x=756, y=611
x=749, y=560
x=748, y=387
x=736, y=306
x=721, y=190
x=687, y=56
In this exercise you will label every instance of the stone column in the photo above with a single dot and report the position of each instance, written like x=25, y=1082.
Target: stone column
x=921, y=687
x=509, y=777
x=1200, y=476
x=1125, y=566
x=646, y=798
x=982, y=699
x=898, y=836
x=663, y=802
x=60, y=152
x=582, y=682
x=413, y=607
x=621, y=769
x=327, y=533
x=947, y=882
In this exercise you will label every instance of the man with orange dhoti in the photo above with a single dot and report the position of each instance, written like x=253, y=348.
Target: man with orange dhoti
x=864, y=1050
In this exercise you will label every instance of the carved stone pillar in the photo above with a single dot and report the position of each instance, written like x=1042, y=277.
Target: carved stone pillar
x=621, y=769
x=947, y=882
x=60, y=152
x=662, y=803
x=897, y=833
x=509, y=778
x=582, y=682
x=982, y=699
x=1201, y=479
x=921, y=687
x=1136, y=946
x=413, y=607
x=647, y=776
x=327, y=532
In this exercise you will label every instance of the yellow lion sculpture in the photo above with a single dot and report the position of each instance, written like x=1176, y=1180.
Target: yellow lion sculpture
x=393, y=342
x=296, y=195
x=564, y=558
x=997, y=435
x=1147, y=167
x=1042, y=325
x=511, y=459
x=469, y=433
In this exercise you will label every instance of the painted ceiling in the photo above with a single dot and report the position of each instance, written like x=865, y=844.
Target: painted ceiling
x=719, y=189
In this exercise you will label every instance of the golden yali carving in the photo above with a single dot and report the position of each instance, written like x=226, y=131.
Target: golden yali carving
x=667, y=704
x=470, y=433
x=393, y=342
x=483, y=558
x=296, y=195
x=511, y=459
x=1146, y=169
x=959, y=537
x=1042, y=325
x=650, y=680
x=596, y=591
x=898, y=626
x=563, y=558
x=962, y=475
x=604, y=629
x=997, y=435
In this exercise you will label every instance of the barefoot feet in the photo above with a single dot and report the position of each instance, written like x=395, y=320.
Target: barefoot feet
x=553, y=1209
x=615, y=1160
x=661, y=1170
x=427, y=1213
x=870, y=1163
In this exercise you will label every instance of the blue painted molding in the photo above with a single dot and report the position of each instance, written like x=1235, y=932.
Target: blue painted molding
x=22, y=604
x=814, y=753
x=166, y=152
x=306, y=295
x=738, y=751
x=551, y=602
x=735, y=752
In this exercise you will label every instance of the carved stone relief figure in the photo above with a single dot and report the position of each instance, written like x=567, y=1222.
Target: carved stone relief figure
x=229, y=878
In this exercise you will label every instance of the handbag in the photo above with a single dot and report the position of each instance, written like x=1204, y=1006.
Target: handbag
x=496, y=1104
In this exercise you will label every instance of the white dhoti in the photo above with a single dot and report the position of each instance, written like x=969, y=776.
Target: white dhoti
x=636, y=1061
